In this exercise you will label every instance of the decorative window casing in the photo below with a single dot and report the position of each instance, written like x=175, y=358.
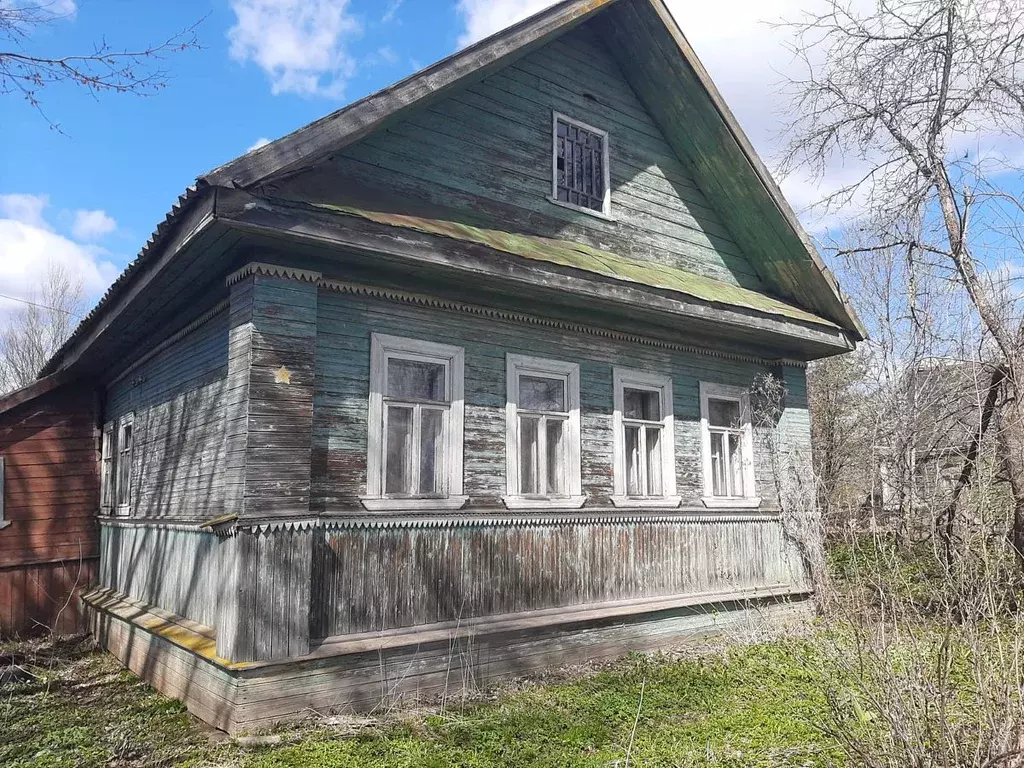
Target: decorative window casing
x=727, y=447
x=580, y=175
x=542, y=449
x=116, y=452
x=415, y=429
x=644, y=441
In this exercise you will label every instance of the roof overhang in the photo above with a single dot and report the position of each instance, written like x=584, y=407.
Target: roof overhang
x=663, y=51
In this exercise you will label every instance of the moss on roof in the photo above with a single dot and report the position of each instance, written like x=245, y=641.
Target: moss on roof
x=583, y=257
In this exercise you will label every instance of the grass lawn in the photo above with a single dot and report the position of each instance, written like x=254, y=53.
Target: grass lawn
x=751, y=705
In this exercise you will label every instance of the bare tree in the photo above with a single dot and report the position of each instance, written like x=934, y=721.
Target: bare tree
x=31, y=334
x=104, y=69
x=907, y=90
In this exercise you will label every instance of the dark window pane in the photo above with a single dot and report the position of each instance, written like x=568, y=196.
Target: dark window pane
x=633, y=461
x=580, y=167
x=540, y=394
x=724, y=413
x=529, y=476
x=399, y=448
x=556, y=456
x=654, y=461
x=431, y=445
x=641, y=404
x=416, y=380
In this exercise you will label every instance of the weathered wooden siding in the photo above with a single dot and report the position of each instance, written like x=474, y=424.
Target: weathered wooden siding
x=36, y=598
x=375, y=578
x=173, y=567
x=486, y=151
x=178, y=397
x=51, y=492
x=345, y=322
x=273, y=340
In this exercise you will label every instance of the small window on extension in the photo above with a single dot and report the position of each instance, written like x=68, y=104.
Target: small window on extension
x=580, y=167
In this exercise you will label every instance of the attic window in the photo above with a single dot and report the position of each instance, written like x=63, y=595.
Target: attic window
x=580, y=166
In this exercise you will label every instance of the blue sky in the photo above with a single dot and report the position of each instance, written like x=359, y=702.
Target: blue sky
x=91, y=194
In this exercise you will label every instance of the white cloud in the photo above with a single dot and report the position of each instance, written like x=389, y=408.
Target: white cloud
x=391, y=10
x=24, y=208
x=28, y=244
x=387, y=54
x=485, y=17
x=262, y=141
x=92, y=225
x=301, y=45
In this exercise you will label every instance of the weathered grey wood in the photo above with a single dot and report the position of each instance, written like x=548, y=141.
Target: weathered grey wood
x=178, y=570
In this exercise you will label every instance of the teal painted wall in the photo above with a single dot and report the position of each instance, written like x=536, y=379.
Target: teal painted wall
x=483, y=155
x=344, y=325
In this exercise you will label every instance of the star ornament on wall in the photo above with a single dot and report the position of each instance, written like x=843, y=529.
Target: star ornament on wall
x=282, y=376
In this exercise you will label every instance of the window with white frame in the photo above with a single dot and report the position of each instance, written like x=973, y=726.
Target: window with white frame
x=107, y=463
x=728, y=451
x=543, y=433
x=116, y=453
x=579, y=157
x=643, y=441
x=125, y=445
x=415, y=425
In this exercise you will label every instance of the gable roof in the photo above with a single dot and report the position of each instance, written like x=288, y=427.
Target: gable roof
x=651, y=49
x=657, y=60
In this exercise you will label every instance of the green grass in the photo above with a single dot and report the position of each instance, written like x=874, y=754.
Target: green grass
x=749, y=706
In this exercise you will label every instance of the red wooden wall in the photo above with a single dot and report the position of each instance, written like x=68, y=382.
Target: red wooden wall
x=51, y=493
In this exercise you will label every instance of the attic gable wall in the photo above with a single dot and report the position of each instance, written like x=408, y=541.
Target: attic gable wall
x=483, y=156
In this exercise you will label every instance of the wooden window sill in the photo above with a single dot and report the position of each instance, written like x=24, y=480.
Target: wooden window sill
x=4, y=524
x=528, y=502
x=724, y=502
x=376, y=504
x=662, y=502
x=581, y=209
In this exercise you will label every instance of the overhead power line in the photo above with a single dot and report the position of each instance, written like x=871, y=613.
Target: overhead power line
x=41, y=306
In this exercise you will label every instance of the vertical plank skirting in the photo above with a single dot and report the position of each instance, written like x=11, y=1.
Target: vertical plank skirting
x=371, y=579
x=175, y=568
x=270, y=579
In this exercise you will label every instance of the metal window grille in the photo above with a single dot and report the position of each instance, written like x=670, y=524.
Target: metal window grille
x=579, y=166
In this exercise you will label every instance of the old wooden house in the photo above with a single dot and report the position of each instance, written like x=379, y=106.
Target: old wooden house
x=453, y=383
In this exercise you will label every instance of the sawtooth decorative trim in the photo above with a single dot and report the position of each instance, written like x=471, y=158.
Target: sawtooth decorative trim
x=273, y=270
x=443, y=521
x=174, y=338
x=432, y=302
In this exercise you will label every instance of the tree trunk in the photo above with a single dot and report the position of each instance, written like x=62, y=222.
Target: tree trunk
x=1011, y=446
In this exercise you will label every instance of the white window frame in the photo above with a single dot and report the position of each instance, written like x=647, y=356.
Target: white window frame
x=382, y=349
x=124, y=508
x=606, y=204
x=626, y=378
x=709, y=390
x=516, y=366
x=3, y=521
x=108, y=468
